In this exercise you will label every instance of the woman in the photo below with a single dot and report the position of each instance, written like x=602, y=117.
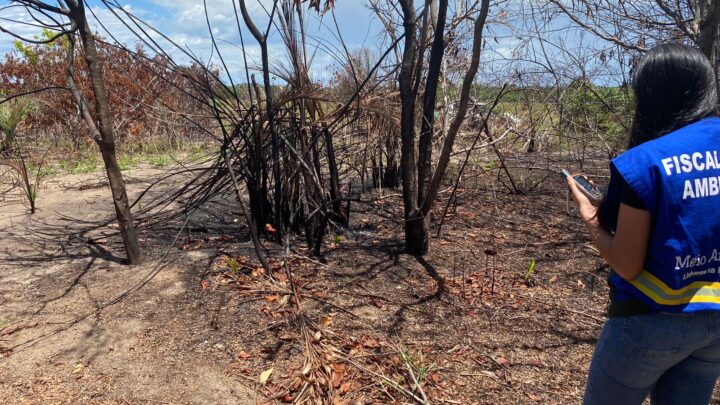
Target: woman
x=659, y=229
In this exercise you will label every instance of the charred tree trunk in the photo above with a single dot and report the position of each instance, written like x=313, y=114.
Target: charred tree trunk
x=381, y=166
x=316, y=153
x=337, y=208
x=415, y=231
x=707, y=15
x=391, y=178
x=257, y=180
x=416, y=228
x=262, y=41
x=277, y=194
x=417, y=174
x=374, y=171
x=459, y=118
x=419, y=194
x=103, y=131
x=437, y=52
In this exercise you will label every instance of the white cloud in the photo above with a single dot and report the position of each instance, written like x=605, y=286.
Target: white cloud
x=184, y=23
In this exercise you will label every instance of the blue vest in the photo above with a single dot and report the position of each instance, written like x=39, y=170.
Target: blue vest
x=677, y=176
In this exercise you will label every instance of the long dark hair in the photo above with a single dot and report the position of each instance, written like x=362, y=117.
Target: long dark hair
x=674, y=86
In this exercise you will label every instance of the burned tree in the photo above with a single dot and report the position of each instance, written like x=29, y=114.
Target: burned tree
x=97, y=117
x=420, y=183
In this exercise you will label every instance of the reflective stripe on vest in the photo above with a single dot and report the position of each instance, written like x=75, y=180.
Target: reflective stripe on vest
x=661, y=293
x=677, y=177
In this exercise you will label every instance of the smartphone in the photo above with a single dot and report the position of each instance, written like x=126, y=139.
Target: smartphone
x=592, y=192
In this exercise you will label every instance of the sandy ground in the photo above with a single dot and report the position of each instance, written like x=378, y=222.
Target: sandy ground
x=76, y=326
x=63, y=336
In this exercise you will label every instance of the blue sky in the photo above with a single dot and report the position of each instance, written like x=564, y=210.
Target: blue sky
x=508, y=41
x=184, y=22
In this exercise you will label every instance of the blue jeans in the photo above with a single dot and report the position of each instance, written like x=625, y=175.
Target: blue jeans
x=673, y=357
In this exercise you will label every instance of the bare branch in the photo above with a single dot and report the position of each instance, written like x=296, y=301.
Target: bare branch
x=675, y=15
x=596, y=31
x=42, y=6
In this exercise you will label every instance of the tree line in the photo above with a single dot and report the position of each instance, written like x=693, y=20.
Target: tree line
x=303, y=152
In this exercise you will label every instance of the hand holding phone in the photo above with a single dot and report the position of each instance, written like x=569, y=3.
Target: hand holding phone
x=591, y=192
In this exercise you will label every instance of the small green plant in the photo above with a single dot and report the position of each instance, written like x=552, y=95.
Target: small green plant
x=160, y=159
x=416, y=367
x=12, y=114
x=234, y=265
x=29, y=176
x=416, y=364
x=196, y=151
x=529, y=273
x=128, y=161
x=488, y=166
x=42, y=170
x=338, y=239
x=83, y=164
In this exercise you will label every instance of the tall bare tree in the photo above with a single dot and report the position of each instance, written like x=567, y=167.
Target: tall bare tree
x=99, y=121
x=420, y=183
x=261, y=38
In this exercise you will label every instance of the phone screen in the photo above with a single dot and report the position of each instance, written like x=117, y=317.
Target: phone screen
x=582, y=182
x=593, y=192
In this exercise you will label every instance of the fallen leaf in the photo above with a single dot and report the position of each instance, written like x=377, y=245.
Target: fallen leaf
x=371, y=343
x=534, y=397
x=265, y=375
x=489, y=374
x=296, y=384
x=271, y=298
x=537, y=363
x=326, y=321
x=338, y=374
x=244, y=355
x=283, y=301
x=503, y=361
x=205, y=284
x=78, y=368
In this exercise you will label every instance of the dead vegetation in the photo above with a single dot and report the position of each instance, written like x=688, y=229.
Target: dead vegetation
x=465, y=324
x=394, y=232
